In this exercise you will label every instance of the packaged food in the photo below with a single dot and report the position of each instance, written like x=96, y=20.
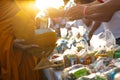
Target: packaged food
x=70, y=59
x=110, y=51
x=110, y=74
x=65, y=72
x=101, y=53
x=76, y=73
x=58, y=60
x=116, y=62
x=88, y=77
x=99, y=77
x=117, y=54
x=84, y=57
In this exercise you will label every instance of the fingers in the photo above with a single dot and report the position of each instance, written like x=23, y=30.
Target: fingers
x=32, y=46
x=70, y=12
x=53, y=12
x=19, y=43
x=27, y=47
x=19, y=40
x=74, y=13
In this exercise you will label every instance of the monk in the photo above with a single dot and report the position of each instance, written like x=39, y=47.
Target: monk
x=15, y=64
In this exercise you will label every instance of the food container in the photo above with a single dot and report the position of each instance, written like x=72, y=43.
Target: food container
x=101, y=53
x=58, y=60
x=76, y=73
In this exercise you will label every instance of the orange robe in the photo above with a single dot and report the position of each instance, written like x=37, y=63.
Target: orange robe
x=14, y=63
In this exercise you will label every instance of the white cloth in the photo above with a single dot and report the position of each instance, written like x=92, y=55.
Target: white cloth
x=52, y=74
x=113, y=25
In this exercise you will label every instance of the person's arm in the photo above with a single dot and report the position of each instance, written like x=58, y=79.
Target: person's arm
x=87, y=22
x=54, y=13
x=95, y=26
x=93, y=29
x=97, y=12
x=93, y=3
x=103, y=11
x=19, y=44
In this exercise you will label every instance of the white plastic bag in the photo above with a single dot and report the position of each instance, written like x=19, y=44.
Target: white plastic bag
x=70, y=4
x=63, y=32
x=104, y=39
x=82, y=30
x=109, y=37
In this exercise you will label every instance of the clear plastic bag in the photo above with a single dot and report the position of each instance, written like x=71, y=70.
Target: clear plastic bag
x=70, y=4
x=109, y=37
x=104, y=39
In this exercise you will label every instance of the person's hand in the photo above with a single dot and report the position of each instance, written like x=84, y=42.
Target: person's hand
x=19, y=43
x=98, y=12
x=74, y=13
x=54, y=13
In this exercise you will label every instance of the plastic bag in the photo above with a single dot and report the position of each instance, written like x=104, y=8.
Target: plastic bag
x=70, y=4
x=105, y=38
x=63, y=32
x=82, y=30
x=109, y=37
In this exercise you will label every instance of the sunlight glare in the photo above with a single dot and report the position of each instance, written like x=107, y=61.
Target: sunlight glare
x=43, y=4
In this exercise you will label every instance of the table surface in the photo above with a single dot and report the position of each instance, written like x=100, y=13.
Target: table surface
x=53, y=74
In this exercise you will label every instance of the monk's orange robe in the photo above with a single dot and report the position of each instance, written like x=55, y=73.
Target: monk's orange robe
x=15, y=64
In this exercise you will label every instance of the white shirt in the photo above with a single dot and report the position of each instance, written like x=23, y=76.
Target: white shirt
x=114, y=24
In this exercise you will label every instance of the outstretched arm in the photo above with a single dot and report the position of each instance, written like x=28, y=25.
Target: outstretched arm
x=99, y=12
x=104, y=11
x=93, y=29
